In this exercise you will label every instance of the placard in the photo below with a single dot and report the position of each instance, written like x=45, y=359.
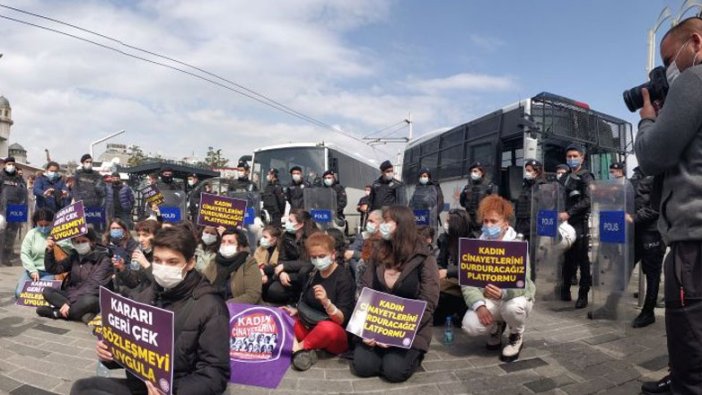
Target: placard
x=218, y=210
x=500, y=263
x=31, y=295
x=69, y=222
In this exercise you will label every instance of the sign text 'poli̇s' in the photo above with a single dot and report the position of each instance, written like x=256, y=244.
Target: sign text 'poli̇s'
x=32, y=296
x=140, y=338
x=386, y=318
x=500, y=263
x=218, y=210
x=69, y=222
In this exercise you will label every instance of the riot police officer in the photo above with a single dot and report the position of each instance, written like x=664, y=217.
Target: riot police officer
x=193, y=196
x=294, y=192
x=386, y=189
x=242, y=182
x=562, y=171
x=13, y=190
x=473, y=193
x=577, y=189
x=533, y=176
x=330, y=181
x=167, y=182
x=90, y=188
x=273, y=198
x=428, y=196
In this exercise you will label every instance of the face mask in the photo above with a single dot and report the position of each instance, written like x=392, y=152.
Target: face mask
x=385, y=231
x=167, y=179
x=367, y=193
x=167, y=276
x=322, y=263
x=672, y=72
x=446, y=226
x=269, y=178
x=475, y=176
x=265, y=243
x=116, y=234
x=228, y=250
x=44, y=230
x=208, y=238
x=389, y=175
x=88, y=166
x=491, y=232
x=328, y=182
x=50, y=175
x=529, y=176
x=236, y=174
x=559, y=175
x=573, y=163
x=289, y=227
x=191, y=182
x=371, y=228
x=10, y=169
x=296, y=177
x=82, y=248
x=423, y=180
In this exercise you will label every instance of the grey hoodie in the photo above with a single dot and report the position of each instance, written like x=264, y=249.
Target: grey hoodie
x=671, y=146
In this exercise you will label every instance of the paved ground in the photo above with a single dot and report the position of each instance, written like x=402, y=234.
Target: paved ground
x=564, y=354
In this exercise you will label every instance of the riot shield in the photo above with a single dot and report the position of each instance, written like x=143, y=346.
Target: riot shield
x=547, y=246
x=423, y=200
x=14, y=211
x=252, y=222
x=320, y=202
x=173, y=208
x=612, y=242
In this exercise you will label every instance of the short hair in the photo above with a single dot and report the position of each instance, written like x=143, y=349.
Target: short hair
x=176, y=238
x=42, y=214
x=426, y=232
x=497, y=204
x=148, y=226
x=52, y=163
x=684, y=28
x=319, y=239
x=241, y=239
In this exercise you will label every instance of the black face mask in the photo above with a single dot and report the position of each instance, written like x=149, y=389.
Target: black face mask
x=117, y=183
x=167, y=179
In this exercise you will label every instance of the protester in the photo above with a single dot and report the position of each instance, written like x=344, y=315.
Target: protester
x=451, y=303
x=330, y=181
x=235, y=271
x=359, y=251
x=133, y=279
x=89, y=268
x=385, y=191
x=428, y=234
x=50, y=189
x=491, y=309
x=119, y=241
x=12, y=191
x=266, y=255
x=474, y=192
x=34, y=248
x=207, y=247
x=668, y=147
x=273, y=198
x=325, y=305
x=201, y=340
x=119, y=200
x=294, y=191
x=399, y=265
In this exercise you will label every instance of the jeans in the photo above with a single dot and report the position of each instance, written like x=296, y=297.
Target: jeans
x=25, y=277
x=514, y=312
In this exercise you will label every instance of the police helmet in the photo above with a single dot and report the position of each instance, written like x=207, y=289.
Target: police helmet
x=566, y=236
x=538, y=166
x=477, y=164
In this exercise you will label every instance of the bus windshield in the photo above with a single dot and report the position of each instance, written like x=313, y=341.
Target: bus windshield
x=310, y=159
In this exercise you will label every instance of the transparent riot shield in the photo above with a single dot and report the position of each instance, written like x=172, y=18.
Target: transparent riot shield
x=320, y=202
x=252, y=221
x=612, y=242
x=423, y=200
x=173, y=208
x=547, y=246
x=14, y=213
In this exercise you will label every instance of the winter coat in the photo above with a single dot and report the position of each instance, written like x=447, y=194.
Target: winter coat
x=385, y=193
x=87, y=273
x=89, y=188
x=125, y=199
x=13, y=189
x=54, y=201
x=294, y=193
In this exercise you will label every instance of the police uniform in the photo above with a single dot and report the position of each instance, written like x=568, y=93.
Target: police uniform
x=384, y=192
x=522, y=207
x=341, y=198
x=471, y=196
x=13, y=190
x=273, y=198
x=428, y=197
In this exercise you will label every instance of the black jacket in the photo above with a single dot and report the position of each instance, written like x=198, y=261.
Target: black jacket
x=87, y=273
x=447, y=258
x=645, y=216
x=89, y=188
x=577, y=199
x=522, y=208
x=384, y=193
x=473, y=193
x=341, y=198
x=294, y=194
x=273, y=198
x=242, y=185
x=13, y=190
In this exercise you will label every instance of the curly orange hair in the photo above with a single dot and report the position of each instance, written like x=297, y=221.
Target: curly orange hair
x=497, y=204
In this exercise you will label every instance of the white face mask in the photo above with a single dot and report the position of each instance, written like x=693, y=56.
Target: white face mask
x=423, y=180
x=269, y=178
x=82, y=248
x=475, y=176
x=322, y=263
x=559, y=175
x=529, y=175
x=672, y=72
x=191, y=182
x=87, y=166
x=265, y=242
x=208, y=238
x=296, y=177
x=389, y=175
x=328, y=181
x=167, y=276
x=367, y=193
x=371, y=227
x=386, y=231
x=228, y=250
x=10, y=168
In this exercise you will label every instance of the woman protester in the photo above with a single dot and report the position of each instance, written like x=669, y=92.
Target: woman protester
x=129, y=279
x=34, y=248
x=451, y=304
x=285, y=285
x=493, y=308
x=325, y=305
x=207, y=247
x=359, y=251
x=235, y=271
x=266, y=255
x=89, y=267
x=401, y=265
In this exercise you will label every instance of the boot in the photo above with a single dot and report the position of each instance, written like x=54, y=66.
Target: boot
x=495, y=340
x=647, y=317
x=581, y=303
x=661, y=386
x=565, y=293
x=514, y=346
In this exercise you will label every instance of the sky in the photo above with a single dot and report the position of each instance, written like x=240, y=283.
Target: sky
x=359, y=66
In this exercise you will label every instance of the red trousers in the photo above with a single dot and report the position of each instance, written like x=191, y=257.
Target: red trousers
x=326, y=335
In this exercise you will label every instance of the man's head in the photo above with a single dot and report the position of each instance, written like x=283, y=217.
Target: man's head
x=561, y=170
x=87, y=161
x=616, y=170
x=476, y=171
x=192, y=179
x=387, y=169
x=329, y=178
x=575, y=156
x=272, y=175
x=174, y=252
x=242, y=169
x=683, y=44
x=10, y=165
x=116, y=178
x=296, y=173
x=167, y=175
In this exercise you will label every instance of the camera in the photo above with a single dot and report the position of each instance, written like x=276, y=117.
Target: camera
x=657, y=88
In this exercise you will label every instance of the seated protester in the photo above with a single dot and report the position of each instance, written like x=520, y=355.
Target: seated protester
x=119, y=240
x=201, y=332
x=207, y=247
x=492, y=308
x=266, y=255
x=140, y=263
x=339, y=244
x=285, y=285
x=427, y=233
x=325, y=305
x=33, y=249
x=359, y=250
x=235, y=272
x=89, y=267
x=400, y=264
x=451, y=303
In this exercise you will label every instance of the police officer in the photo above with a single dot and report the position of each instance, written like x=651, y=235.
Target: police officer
x=90, y=188
x=193, y=196
x=386, y=189
x=577, y=188
x=473, y=193
x=242, y=182
x=273, y=198
x=533, y=176
x=562, y=171
x=329, y=181
x=362, y=205
x=167, y=182
x=427, y=195
x=13, y=190
x=294, y=191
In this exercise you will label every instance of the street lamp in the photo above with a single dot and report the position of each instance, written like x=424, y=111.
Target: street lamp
x=664, y=15
x=686, y=6
x=104, y=139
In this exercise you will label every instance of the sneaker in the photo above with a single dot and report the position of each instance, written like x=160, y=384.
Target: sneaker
x=514, y=346
x=661, y=386
x=304, y=359
x=495, y=340
x=48, y=312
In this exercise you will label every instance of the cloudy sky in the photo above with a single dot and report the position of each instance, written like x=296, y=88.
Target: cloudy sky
x=359, y=65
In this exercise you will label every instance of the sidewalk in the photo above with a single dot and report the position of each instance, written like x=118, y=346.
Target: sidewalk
x=564, y=353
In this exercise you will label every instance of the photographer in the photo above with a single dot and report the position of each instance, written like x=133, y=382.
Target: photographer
x=677, y=127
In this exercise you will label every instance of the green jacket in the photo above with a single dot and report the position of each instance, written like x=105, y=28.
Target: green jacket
x=33, y=250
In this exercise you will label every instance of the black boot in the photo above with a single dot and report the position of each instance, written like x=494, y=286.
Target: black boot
x=646, y=317
x=661, y=386
x=581, y=303
x=565, y=293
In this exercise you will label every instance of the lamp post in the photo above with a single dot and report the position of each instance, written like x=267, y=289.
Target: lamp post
x=664, y=15
x=685, y=7
x=104, y=139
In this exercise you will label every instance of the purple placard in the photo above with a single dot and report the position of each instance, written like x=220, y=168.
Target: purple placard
x=152, y=195
x=69, y=222
x=140, y=338
x=385, y=318
x=31, y=295
x=500, y=263
x=260, y=344
x=218, y=210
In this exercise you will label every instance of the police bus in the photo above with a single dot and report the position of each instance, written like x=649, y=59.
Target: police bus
x=537, y=128
x=353, y=170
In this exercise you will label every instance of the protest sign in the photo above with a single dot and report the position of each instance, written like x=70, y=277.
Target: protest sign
x=152, y=195
x=69, y=222
x=386, y=318
x=31, y=295
x=218, y=210
x=260, y=344
x=140, y=338
x=500, y=263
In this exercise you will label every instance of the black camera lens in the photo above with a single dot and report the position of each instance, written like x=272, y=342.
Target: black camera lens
x=633, y=98
x=657, y=88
